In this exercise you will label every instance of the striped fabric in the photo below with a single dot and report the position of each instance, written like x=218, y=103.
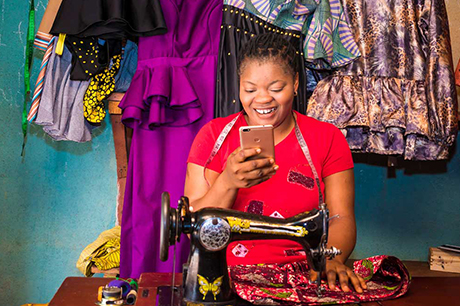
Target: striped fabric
x=40, y=40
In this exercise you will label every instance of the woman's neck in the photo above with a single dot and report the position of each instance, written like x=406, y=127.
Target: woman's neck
x=284, y=129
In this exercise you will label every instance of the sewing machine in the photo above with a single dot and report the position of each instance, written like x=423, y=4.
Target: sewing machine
x=205, y=275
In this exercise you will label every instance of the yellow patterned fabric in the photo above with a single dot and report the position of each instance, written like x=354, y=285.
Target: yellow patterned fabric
x=104, y=252
x=100, y=87
x=108, y=256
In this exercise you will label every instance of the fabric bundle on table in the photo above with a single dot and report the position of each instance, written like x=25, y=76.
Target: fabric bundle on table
x=386, y=278
x=103, y=253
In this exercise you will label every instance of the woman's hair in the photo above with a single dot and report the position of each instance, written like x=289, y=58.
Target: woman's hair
x=269, y=47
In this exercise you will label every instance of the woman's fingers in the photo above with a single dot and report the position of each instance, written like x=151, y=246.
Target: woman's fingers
x=355, y=281
x=242, y=154
x=331, y=277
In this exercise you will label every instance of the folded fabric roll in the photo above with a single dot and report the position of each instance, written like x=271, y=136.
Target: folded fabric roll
x=288, y=284
x=104, y=252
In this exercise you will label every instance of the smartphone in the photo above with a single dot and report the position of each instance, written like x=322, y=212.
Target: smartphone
x=260, y=136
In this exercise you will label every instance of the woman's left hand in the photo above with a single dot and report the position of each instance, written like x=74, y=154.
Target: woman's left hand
x=337, y=270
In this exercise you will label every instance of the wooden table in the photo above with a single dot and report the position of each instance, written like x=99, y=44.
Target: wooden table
x=81, y=291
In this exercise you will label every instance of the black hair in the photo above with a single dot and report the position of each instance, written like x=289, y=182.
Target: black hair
x=269, y=46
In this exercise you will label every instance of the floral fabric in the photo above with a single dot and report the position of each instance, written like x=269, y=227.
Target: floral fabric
x=399, y=97
x=288, y=284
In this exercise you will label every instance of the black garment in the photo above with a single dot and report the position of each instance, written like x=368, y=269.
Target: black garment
x=109, y=18
x=236, y=30
x=89, y=57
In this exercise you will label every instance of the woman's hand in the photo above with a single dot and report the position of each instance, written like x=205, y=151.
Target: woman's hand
x=242, y=173
x=336, y=269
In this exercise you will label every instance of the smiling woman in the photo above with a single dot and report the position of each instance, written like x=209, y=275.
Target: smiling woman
x=313, y=163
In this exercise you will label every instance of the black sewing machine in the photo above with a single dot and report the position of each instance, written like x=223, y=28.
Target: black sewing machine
x=205, y=275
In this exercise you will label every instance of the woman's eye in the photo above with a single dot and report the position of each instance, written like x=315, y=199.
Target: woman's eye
x=277, y=89
x=249, y=90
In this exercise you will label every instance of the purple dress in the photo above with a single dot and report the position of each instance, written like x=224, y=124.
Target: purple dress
x=170, y=98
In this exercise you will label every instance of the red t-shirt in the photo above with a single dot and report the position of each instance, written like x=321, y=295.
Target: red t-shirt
x=290, y=191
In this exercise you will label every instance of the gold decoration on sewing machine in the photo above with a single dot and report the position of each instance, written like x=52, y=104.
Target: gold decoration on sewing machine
x=206, y=286
x=239, y=225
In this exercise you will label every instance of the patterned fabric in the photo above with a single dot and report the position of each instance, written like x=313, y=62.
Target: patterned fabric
x=328, y=40
x=238, y=27
x=100, y=87
x=288, y=284
x=42, y=40
x=399, y=97
x=47, y=40
x=104, y=252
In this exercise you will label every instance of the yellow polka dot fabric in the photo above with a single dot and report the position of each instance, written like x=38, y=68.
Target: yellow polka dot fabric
x=100, y=87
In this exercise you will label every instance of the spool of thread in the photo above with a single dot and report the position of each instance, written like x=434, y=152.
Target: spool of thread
x=125, y=286
x=131, y=297
x=111, y=294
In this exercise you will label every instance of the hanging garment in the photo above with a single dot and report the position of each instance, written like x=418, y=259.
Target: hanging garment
x=399, y=97
x=326, y=42
x=100, y=87
x=109, y=18
x=128, y=67
x=386, y=278
x=91, y=56
x=46, y=41
x=170, y=98
x=239, y=26
x=61, y=107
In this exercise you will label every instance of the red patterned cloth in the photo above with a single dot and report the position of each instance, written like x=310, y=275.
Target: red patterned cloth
x=288, y=284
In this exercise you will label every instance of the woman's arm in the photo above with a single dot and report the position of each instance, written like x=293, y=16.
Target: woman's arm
x=340, y=197
x=220, y=190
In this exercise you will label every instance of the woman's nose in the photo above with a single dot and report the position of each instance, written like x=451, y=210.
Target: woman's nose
x=263, y=97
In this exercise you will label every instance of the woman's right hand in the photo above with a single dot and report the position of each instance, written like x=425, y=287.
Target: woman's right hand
x=242, y=173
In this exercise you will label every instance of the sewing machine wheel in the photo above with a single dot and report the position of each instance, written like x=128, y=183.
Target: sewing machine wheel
x=165, y=226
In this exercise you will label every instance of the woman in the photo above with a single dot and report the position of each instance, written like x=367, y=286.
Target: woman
x=287, y=187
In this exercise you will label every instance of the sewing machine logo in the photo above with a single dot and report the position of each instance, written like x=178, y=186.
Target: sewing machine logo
x=238, y=225
x=206, y=286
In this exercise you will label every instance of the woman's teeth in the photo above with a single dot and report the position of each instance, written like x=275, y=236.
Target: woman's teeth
x=265, y=111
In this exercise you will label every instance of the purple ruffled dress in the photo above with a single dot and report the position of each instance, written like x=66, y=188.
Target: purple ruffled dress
x=170, y=98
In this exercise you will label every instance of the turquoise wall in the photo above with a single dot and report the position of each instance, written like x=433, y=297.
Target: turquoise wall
x=55, y=200
x=60, y=196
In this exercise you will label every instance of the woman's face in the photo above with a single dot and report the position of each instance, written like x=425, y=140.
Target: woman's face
x=267, y=92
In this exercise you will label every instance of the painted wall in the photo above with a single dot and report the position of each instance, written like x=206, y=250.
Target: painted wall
x=55, y=200
x=60, y=196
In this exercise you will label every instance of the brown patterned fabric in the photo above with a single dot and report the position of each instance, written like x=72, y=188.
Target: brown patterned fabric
x=399, y=98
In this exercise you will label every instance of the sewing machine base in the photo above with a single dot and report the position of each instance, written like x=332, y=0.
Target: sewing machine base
x=164, y=298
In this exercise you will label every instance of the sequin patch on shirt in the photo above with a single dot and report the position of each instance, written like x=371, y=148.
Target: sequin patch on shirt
x=256, y=207
x=298, y=178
